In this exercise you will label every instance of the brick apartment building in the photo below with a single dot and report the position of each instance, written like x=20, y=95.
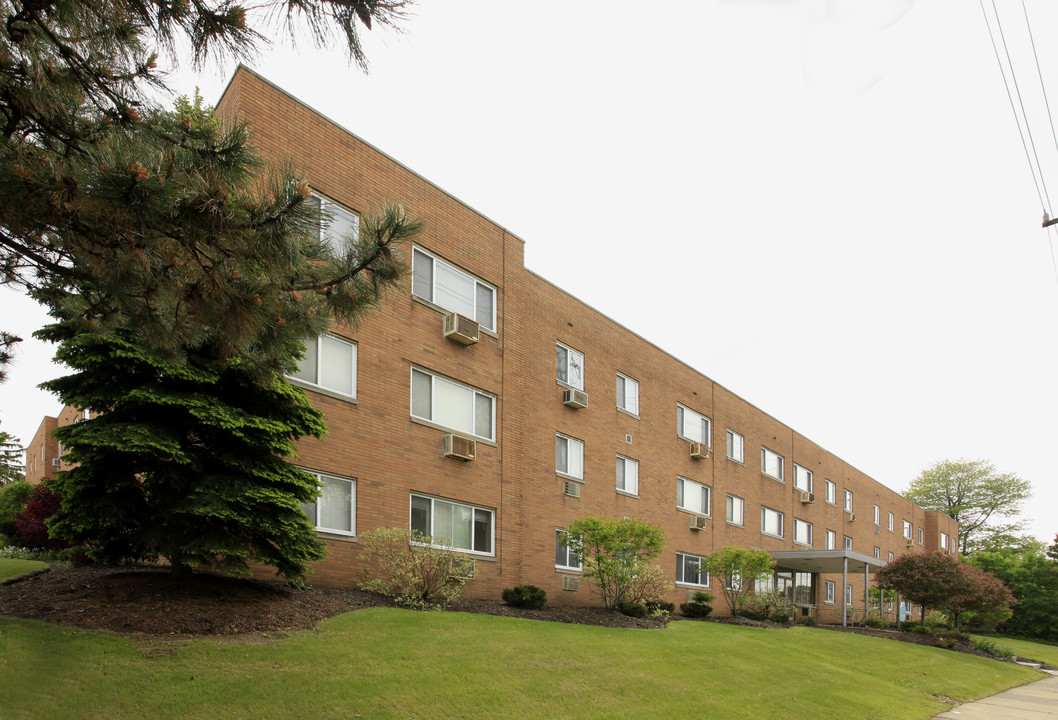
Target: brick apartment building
x=410, y=390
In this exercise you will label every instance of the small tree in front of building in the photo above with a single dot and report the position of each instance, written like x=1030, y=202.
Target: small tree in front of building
x=614, y=552
x=11, y=467
x=737, y=568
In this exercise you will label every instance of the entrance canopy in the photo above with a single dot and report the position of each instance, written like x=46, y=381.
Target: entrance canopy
x=826, y=561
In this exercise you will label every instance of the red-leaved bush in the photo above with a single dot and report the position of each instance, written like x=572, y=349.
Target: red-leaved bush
x=42, y=503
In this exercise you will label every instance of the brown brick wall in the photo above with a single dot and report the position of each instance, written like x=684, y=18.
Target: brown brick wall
x=375, y=441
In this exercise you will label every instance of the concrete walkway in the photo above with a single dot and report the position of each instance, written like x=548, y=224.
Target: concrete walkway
x=1035, y=701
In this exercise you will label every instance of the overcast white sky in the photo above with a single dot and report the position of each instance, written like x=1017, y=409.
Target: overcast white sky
x=823, y=205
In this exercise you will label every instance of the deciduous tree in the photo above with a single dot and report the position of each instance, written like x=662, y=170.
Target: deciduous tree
x=984, y=501
x=1033, y=578
x=613, y=552
x=736, y=568
x=941, y=581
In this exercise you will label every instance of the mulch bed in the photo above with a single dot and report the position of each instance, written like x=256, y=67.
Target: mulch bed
x=149, y=600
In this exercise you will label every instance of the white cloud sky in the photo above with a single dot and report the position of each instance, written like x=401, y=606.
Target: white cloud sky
x=823, y=205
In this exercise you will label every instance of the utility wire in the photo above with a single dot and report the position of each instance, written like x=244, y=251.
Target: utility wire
x=1021, y=103
x=1039, y=73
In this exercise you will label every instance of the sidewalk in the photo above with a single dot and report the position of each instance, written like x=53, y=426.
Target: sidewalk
x=1035, y=701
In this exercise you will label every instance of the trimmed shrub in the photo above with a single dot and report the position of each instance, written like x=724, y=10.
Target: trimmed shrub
x=767, y=606
x=632, y=609
x=909, y=625
x=412, y=569
x=525, y=596
x=807, y=621
x=873, y=621
x=696, y=609
x=657, y=607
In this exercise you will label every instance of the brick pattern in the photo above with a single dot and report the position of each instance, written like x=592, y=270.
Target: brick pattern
x=375, y=441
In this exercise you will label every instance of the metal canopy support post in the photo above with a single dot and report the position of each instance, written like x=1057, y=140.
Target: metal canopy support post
x=867, y=591
x=844, y=584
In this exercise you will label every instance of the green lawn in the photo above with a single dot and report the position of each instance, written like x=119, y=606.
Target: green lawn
x=14, y=568
x=1041, y=652
x=388, y=663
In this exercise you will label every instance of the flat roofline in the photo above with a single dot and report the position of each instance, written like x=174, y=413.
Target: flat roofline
x=346, y=130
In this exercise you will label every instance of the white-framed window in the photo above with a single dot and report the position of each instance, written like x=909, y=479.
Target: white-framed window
x=892, y=522
x=338, y=225
x=452, y=524
x=330, y=364
x=891, y=557
x=877, y=515
x=733, y=582
x=771, y=463
x=921, y=536
x=848, y=542
x=848, y=594
x=455, y=290
x=689, y=570
x=627, y=475
x=828, y=591
x=569, y=456
x=452, y=405
x=802, y=532
x=566, y=557
x=832, y=540
x=627, y=394
x=771, y=521
x=908, y=531
x=848, y=501
x=802, y=478
x=735, y=509
x=692, y=496
x=693, y=426
x=335, y=509
x=736, y=446
x=877, y=553
x=943, y=541
x=569, y=364
x=832, y=492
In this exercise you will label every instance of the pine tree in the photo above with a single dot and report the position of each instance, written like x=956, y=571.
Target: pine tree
x=188, y=461
x=141, y=213
x=11, y=467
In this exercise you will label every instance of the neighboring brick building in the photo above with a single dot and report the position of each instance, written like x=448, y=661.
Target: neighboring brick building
x=44, y=452
x=657, y=440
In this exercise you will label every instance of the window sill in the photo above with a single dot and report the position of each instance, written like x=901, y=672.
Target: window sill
x=627, y=494
x=629, y=413
x=768, y=534
x=692, y=440
x=564, y=476
x=332, y=535
x=766, y=476
x=566, y=386
x=737, y=462
x=442, y=428
x=692, y=512
x=568, y=570
x=481, y=328
x=738, y=525
x=319, y=390
x=691, y=586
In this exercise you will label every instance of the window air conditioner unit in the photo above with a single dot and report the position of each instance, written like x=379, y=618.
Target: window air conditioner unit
x=850, y=517
x=910, y=542
x=699, y=451
x=56, y=462
x=464, y=571
x=460, y=329
x=571, y=583
x=697, y=522
x=807, y=498
x=572, y=489
x=575, y=399
x=460, y=448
